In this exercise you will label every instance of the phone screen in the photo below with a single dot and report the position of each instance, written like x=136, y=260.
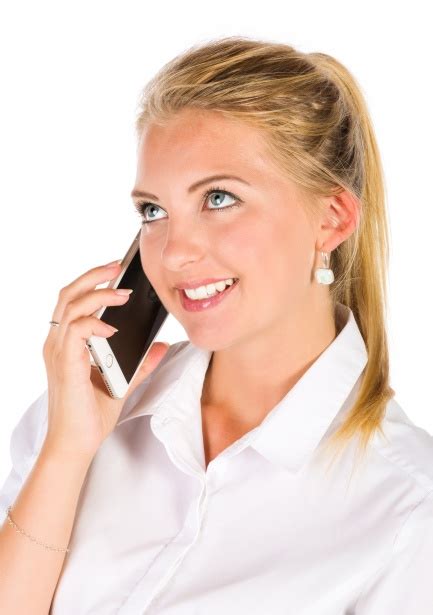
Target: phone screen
x=138, y=320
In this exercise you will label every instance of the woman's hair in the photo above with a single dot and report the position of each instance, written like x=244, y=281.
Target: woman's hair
x=316, y=124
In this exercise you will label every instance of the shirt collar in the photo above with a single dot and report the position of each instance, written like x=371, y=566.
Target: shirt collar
x=293, y=429
x=155, y=393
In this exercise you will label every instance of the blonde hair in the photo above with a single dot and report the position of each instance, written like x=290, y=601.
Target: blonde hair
x=316, y=122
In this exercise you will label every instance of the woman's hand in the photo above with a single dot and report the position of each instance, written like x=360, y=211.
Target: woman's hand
x=81, y=412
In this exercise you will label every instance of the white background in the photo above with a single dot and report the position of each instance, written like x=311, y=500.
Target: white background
x=71, y=74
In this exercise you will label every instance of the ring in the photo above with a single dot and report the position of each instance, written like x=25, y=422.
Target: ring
x=54, y=323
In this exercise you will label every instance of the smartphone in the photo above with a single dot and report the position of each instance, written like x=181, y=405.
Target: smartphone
x=139, y=320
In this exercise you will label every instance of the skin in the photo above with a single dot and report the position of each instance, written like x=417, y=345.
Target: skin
x=270, y=330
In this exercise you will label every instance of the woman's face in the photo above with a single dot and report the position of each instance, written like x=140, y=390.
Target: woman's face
x=268, y=241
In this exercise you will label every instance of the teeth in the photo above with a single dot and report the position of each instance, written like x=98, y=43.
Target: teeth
x=202, y=292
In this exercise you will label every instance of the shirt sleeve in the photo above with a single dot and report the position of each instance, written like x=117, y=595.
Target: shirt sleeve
x=25, y=443
x=404, y=584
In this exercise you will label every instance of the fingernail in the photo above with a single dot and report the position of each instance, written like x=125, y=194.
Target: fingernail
x=123, y=291
x=114, y=263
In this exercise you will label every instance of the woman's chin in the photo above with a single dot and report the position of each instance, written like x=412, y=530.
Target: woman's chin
x=208, y=339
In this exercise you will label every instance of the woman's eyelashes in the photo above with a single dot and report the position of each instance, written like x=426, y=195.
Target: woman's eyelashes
x=143, y=207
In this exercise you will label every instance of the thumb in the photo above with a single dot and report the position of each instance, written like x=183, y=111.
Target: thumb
x=157, y=352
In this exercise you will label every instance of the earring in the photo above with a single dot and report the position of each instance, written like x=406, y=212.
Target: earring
x=324, y=275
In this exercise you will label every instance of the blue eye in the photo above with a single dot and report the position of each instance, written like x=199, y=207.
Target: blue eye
x=219, y=193
x=143, y=206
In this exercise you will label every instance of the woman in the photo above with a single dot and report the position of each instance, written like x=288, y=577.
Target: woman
x=209, y=489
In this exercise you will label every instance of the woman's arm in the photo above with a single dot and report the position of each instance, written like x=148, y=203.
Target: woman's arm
x=403, y=585
x=45, y=508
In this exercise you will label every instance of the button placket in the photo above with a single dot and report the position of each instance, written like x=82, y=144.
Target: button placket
x=164, y=584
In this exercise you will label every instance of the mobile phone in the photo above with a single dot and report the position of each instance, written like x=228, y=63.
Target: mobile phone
x=139, y=320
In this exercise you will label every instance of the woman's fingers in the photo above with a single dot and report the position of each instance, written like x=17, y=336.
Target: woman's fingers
x=87, y=305
x=84, y=283
x=73, y=343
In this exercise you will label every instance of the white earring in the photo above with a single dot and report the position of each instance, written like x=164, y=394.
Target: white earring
x=324, y=275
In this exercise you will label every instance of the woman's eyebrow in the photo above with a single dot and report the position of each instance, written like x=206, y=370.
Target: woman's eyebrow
x=193, y=187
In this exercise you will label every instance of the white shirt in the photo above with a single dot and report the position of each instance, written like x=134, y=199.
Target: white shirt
x=263, y=530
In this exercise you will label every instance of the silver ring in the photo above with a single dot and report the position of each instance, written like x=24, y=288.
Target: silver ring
x=54, y=323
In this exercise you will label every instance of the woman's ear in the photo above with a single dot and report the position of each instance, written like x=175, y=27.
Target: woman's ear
x=340, y=218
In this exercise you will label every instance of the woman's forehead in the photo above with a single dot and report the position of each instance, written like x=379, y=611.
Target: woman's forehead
x=208, y=146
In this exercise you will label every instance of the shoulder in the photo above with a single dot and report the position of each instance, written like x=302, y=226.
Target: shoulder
x=25, y=442
x=29, y=431
x=406, y=446
x=402, y=582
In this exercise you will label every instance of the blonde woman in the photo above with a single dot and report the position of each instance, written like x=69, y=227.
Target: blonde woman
x=263, y=465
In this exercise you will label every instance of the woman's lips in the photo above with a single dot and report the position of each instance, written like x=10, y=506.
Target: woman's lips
x=198, y=305
x=197, y=283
